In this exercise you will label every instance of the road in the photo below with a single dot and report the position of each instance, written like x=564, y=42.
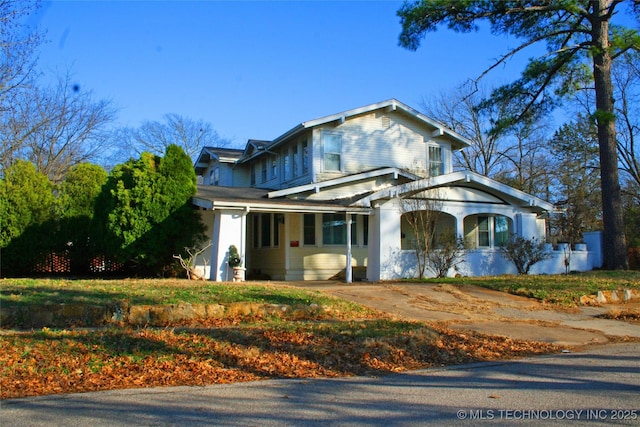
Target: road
x=599, y=385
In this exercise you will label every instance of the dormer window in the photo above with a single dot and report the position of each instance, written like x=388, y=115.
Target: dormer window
x=436, y=163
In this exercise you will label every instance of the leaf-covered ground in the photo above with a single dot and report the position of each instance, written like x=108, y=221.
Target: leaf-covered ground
x=66, y=361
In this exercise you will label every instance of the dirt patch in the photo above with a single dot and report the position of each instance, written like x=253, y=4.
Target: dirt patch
x=468, y=307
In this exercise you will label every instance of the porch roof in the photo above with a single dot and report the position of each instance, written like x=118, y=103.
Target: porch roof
x=256, y=200
x=461, y=179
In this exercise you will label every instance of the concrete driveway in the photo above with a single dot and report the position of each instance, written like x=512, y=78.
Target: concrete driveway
x=468, y=307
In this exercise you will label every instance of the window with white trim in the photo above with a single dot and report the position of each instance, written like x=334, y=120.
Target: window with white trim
x=332, y=146
x=436, y=163
x=487, y=231
x=334, y=229
x=309, y=229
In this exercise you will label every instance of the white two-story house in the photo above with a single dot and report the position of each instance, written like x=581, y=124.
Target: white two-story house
x=326, y=197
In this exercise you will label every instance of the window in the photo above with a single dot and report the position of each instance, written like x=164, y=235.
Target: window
x=256, y=231
x=214, y=176
x=500, y=230
x=265, y=230
x=253, y=175
x=277, y=220
x=332, y=152
x=334, y=229
x=365, y=230
x=286, y=166
x=487, y=231
x=309, y=229
x=294, y=161
x=483, y=231
x=274, y=167
x=305, y=157
x=263, y=171
x=436, y=165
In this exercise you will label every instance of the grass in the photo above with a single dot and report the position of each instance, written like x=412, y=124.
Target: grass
x=561, y=289
x=24, y=292
x=355, y=341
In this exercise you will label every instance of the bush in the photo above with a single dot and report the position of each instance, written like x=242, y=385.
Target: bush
x=524, y=253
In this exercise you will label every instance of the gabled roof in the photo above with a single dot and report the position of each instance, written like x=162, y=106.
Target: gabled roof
x=458, y=141
x=460, y=179
x=223, y=155
x=318, y=186
x=439, y=130
x=254, y=146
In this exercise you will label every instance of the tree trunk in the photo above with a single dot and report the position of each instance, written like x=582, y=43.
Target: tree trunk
x=615, y=252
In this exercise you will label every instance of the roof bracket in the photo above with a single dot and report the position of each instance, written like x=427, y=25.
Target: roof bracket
x=437, y=132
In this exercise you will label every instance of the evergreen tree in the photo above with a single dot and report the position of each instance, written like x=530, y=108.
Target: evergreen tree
x=144, y=213
x=26, y=204
x=26, y=199
x=75, y=204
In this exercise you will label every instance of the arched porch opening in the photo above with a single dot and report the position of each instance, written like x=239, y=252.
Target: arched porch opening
x=437, y=226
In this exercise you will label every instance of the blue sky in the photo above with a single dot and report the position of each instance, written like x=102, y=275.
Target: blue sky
x=254, y=69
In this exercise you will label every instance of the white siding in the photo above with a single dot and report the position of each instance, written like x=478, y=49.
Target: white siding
x=378, y=139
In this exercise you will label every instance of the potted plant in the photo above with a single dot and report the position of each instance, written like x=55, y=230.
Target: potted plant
x=235, y=262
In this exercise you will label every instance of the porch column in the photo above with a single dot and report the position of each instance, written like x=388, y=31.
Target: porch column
x=385, y=261
x=373, y=248
x=460, y=225
x=228, y=229
x=349, y=270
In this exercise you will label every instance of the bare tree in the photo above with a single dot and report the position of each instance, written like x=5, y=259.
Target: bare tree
x=526, y=160
x=155, y=136
x=56, y=128
x=626, y=78
x=18, y=60
x=18, y=44
x=458, y=109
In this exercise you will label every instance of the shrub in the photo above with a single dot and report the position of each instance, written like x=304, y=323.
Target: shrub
x=524, y=253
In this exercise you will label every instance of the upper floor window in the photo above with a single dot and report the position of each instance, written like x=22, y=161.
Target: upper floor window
x=305, y=157
x=274, y=167
x=436, y=164
x=332, y=151
x=286, y=166
x=263, y=171
x=294, y=161
x=214, y=177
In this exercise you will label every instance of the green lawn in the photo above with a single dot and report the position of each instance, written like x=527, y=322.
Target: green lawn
x=23, y=292
x=558, y=289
